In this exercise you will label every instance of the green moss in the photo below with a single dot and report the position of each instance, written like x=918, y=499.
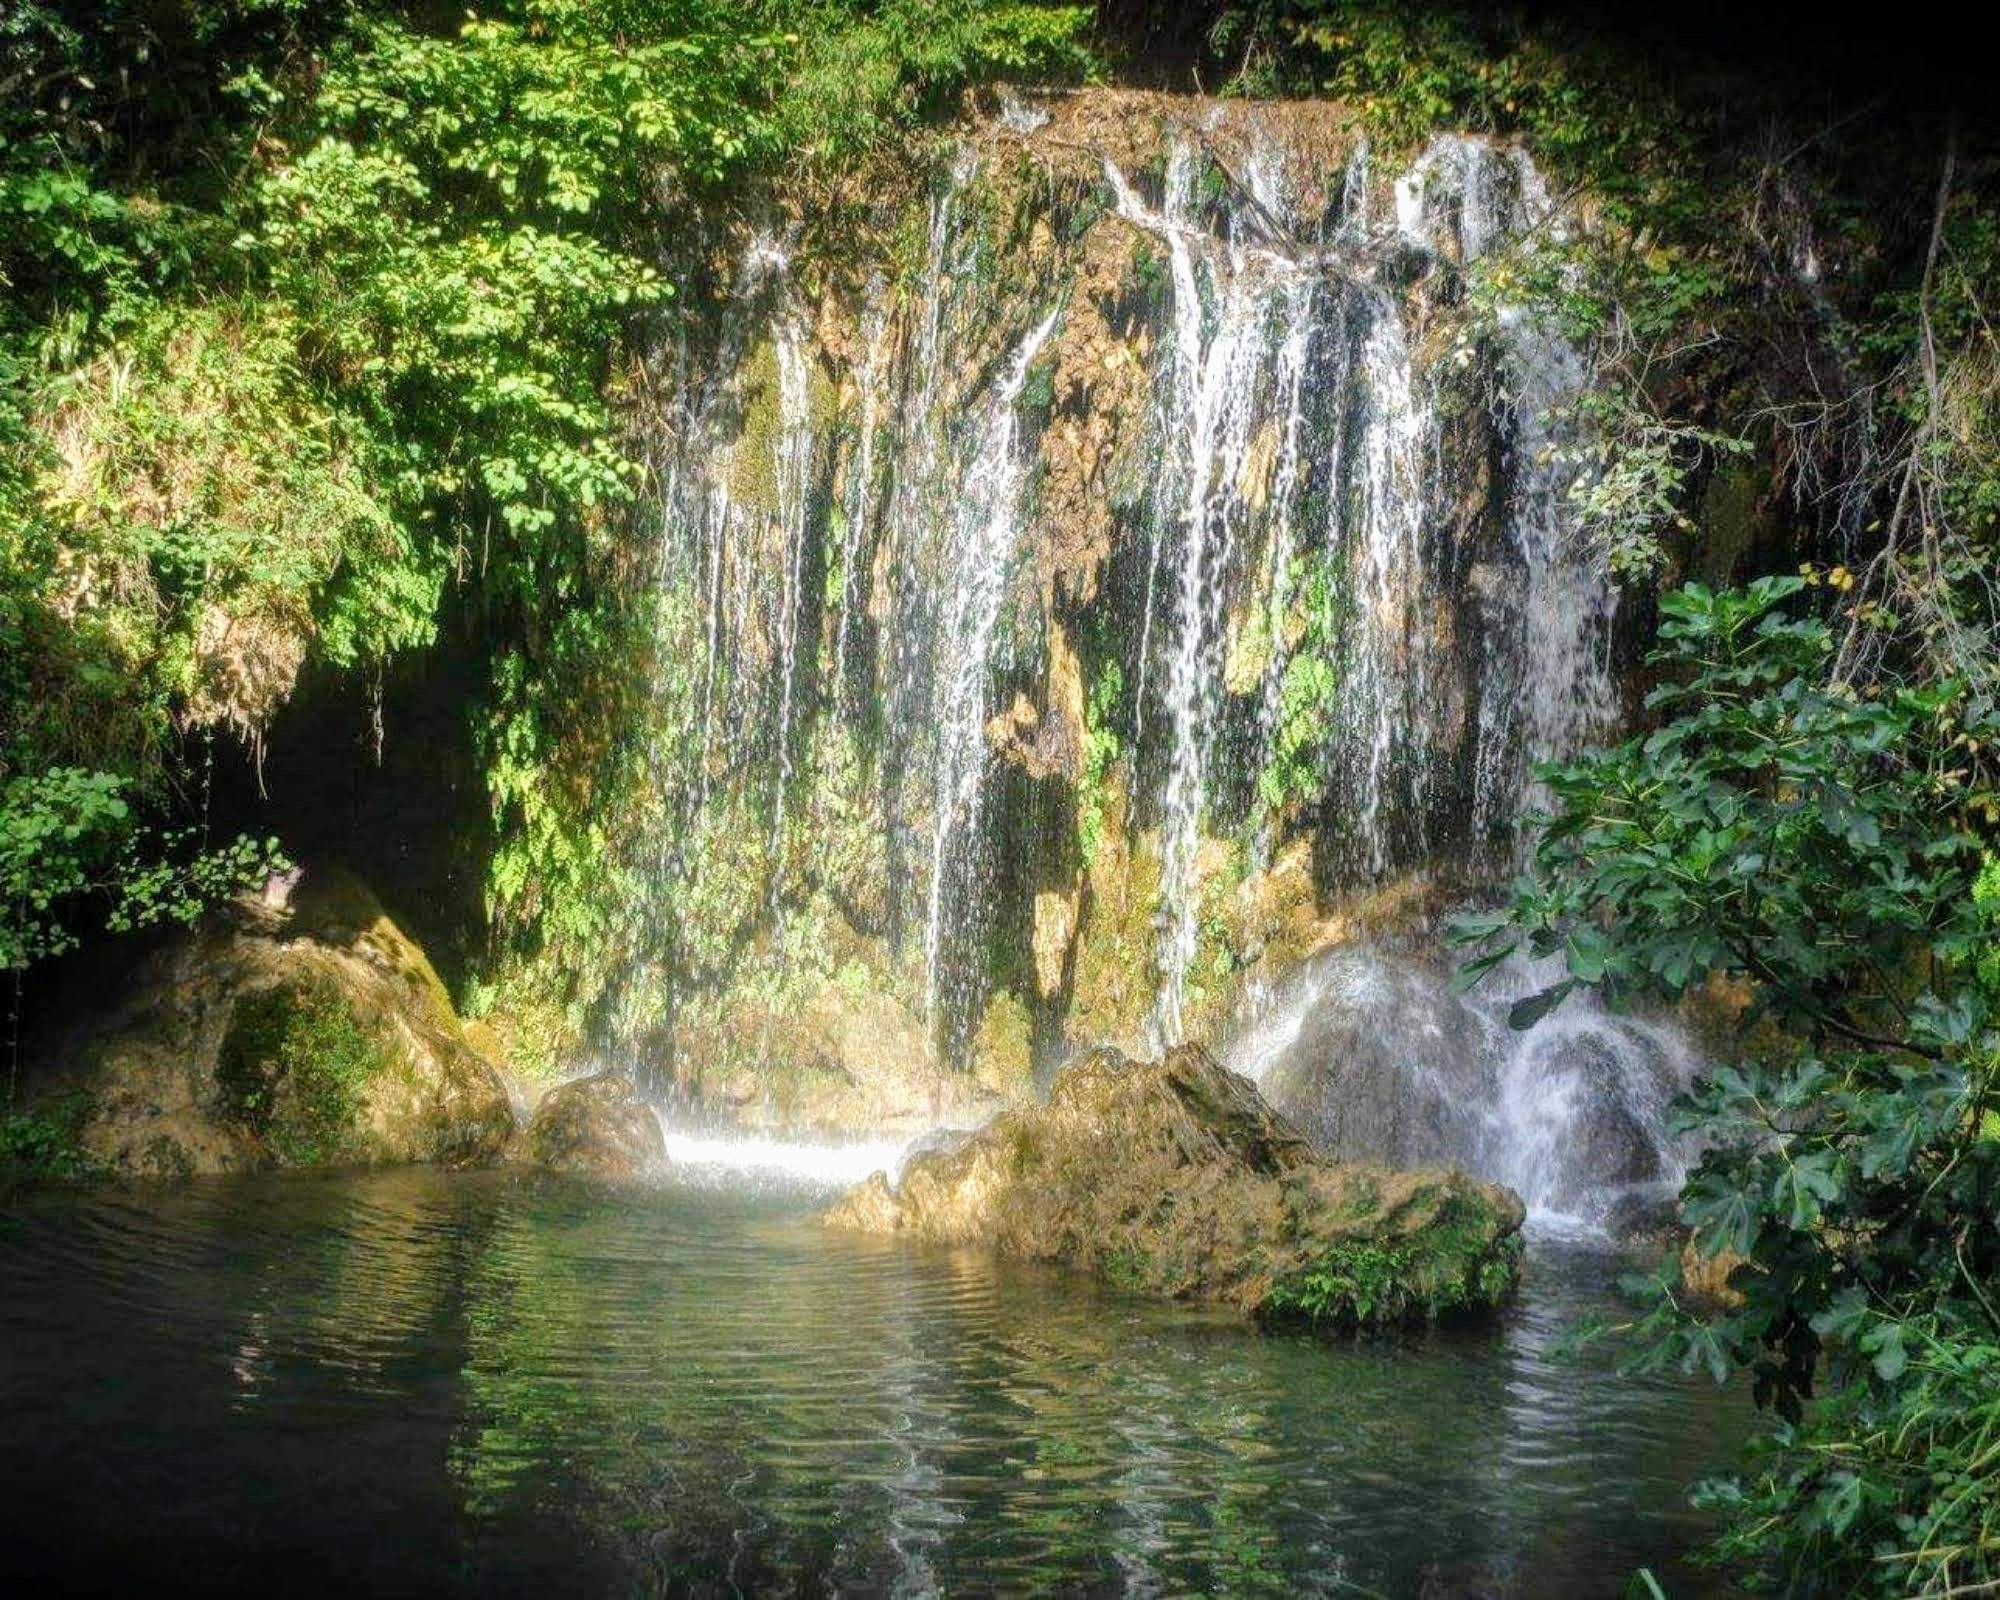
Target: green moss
x=1101, y=750
x=1128, y=1267
x=294, y=1067
x=41, y=1146
x=1151, y=275
x=1448, y=1269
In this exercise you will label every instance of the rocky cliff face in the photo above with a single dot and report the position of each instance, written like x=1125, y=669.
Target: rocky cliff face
x=1174, y=1177
x=1089, y=566
x=306, y=1032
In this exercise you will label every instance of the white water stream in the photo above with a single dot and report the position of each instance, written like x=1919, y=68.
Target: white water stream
x=760, y=1159
x=1375, y=1057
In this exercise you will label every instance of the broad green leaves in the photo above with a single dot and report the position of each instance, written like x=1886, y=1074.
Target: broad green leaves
x=66, y=833
x=1816, y=846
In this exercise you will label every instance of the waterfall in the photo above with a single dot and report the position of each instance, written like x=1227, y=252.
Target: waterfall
x=1289, y=379
x=1377, y=1059
x=979, y=567
x=791, y=471
x=858, y=504
x=1381, y=716
x=919, y=500
x=1292, y=497
x=1546, y=680
x=1242, y=321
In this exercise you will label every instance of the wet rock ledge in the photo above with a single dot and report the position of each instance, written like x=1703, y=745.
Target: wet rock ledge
x=1174, y=1178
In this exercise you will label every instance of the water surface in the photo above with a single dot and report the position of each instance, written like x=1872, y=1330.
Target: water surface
x=422, y=1381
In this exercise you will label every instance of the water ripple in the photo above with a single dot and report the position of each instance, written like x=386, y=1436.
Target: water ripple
x=498, y=1383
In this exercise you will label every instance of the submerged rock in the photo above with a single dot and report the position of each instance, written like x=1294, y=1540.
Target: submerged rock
x=596, y=1127
x=309, y=1033
x=1175, y=1178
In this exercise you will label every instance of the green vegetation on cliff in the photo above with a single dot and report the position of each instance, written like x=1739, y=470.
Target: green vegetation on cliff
x=316, y=344
x=311, y=319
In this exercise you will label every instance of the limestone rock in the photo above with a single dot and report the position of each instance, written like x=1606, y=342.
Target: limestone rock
x=307, y=1033
x=1173, y=1177
x=595, y=1126
x=1054, y=937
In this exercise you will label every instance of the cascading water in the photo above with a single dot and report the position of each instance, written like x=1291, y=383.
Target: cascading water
x=1377, y=1059
x=1242, y=326
x=1546, y=680
x=1289, y=378
x=981, y=563
x=792, y=473
x=1306, y=557
x=858, y=504
x=1381, y=718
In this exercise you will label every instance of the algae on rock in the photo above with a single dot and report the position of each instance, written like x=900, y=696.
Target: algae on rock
x=300, y=1034
x=1173, y=1177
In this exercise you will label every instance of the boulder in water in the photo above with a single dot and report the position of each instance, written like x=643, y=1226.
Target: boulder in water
x=1175, y=1178
x=292, y=1031
x=595, y=1127
x=1376, y=1060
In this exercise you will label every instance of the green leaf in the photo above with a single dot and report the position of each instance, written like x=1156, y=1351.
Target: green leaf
x=1524, y=1014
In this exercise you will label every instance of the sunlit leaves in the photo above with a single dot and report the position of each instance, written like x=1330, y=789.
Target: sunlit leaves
x=1811, y=845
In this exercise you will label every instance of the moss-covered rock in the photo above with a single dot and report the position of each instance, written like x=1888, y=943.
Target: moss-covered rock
x=295, y=1034
x=1173, y=1177
x=295, y=1066
x=596, y=1127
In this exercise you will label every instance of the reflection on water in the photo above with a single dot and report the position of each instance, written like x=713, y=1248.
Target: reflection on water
x=496, y=1383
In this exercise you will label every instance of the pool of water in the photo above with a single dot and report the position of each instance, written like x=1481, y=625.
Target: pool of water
x=495, y=1383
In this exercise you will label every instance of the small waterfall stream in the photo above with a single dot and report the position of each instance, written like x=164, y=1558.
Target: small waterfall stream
x=1377, y=1059
x=981, y=563
x=1242, y=326
x=1547, y=685
x=780, y=1163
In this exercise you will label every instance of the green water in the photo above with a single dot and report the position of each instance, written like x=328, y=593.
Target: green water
x=424, y=1382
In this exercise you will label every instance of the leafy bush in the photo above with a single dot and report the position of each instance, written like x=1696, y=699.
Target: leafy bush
x=1821, y=845
x=41, y=1145
x=66, y=834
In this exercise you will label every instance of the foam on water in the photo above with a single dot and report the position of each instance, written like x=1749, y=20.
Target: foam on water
x=1375, y=1056
x=793, y=1162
